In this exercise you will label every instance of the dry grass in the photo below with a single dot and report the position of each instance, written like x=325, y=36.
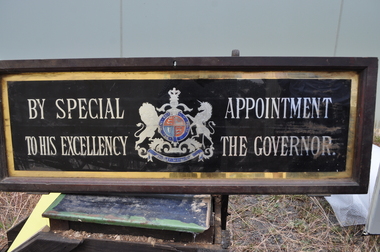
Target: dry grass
x=292, y=223
x=14, y=207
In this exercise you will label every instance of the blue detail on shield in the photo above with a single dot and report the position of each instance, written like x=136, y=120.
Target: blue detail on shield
x=174, y=128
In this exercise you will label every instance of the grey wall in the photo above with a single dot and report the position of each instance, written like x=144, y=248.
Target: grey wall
x=42, y=29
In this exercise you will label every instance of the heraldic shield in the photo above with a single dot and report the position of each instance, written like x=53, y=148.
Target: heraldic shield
x=172, y=135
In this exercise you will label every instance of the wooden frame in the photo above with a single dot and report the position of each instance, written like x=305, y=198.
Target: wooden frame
x=352, y=178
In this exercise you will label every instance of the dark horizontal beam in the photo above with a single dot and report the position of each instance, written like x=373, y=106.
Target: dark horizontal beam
x=187, y=63
x=181, y=186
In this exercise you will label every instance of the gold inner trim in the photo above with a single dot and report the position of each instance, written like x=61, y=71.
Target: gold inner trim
x=353, y=76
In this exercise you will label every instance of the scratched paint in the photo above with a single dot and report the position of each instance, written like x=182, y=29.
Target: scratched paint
x=178, y=213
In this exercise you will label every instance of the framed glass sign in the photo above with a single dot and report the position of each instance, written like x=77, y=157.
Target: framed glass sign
x=188, y=125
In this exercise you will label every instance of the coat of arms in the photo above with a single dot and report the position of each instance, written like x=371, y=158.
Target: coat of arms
x=172, y=135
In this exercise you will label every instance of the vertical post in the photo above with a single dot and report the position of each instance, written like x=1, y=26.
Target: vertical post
x=224, y=213
x=235, y=53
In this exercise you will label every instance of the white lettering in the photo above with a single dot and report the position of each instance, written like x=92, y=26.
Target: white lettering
x=85, y=108
x=293, y=146
x=32, y=105
x=276, y=107
x=94, y=145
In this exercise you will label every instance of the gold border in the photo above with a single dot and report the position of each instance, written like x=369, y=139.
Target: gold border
x=353, y=76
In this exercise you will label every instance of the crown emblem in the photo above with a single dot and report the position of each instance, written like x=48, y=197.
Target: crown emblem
x=174, y=93
x=171, y=134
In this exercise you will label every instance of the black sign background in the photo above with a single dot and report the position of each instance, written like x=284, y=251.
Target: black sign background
x=133, y=93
